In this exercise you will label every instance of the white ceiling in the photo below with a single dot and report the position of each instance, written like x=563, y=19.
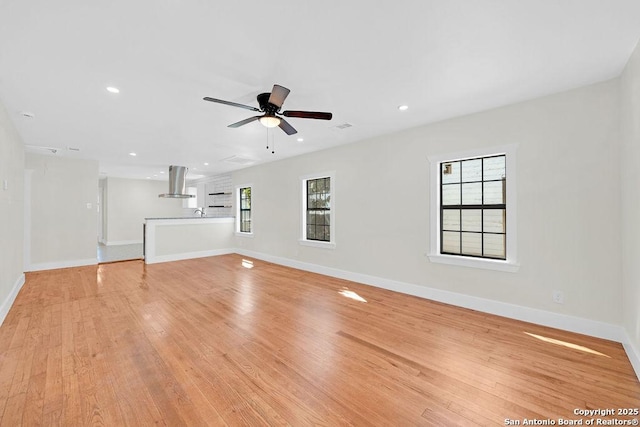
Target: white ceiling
x=358, y=59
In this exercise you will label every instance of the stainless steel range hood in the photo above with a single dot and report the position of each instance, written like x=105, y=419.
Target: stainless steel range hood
x=177, y=183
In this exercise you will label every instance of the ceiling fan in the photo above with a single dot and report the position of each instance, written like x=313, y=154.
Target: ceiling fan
x=270, y=104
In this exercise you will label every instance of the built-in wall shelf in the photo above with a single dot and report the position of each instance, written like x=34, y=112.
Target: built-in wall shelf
x=221, y=202
x=219, y=196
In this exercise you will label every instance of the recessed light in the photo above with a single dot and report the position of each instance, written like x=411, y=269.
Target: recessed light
x=132, y=154
x=300, y=139
x=113, y=89
x=161, y=171
x=206, y=164
x=403, y=107
x=148, y=177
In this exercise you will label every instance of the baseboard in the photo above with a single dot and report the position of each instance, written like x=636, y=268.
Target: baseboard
x=122, y=242
x=8, y=301
x=540, y=317
x=633, y=353
x=62, y=264
x=187, y=255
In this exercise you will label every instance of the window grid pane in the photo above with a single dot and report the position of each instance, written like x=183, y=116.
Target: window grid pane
x=451, y=173
x=471, y=244
x=451, y=194
x=319, y=209
x=472, y=193
x=472, y=170
x=450, y=242
x=472, y=220
x=473, y=207
x=451, y=220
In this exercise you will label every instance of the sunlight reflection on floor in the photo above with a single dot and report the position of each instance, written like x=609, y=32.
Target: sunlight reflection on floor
x=566, y=344
x=352, y=295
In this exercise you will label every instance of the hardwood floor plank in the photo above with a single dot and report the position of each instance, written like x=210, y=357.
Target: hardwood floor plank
x=14, y=409
x=32, y=413
x=20, y=380
x=71, y=404
x=210, y=342
x=53, y=396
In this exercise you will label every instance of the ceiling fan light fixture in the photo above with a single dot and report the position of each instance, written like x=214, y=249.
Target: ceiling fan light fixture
x=269, y=121
x=270, y=104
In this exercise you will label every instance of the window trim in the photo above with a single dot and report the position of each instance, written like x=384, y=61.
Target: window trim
x=237, y=210
x=331, y=244
x=192, y=202
x=510, y=264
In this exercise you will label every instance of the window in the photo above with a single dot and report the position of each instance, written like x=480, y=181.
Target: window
x=191, y=202
x=243, y=210
x=473, y=209
x=318, y=211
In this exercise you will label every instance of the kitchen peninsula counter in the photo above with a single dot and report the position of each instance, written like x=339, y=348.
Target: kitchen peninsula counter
x=177, y=238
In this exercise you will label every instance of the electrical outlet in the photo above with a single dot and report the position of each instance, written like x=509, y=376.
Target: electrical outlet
x=558, y=297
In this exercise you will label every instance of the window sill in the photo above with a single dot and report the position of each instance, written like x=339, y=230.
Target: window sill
x=487, y=264
x=317, y=244
x=244, y=234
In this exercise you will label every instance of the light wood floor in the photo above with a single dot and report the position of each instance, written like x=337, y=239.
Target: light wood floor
x=210, y=342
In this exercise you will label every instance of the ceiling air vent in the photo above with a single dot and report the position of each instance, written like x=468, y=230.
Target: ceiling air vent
x=239, y=160
x=343, y=126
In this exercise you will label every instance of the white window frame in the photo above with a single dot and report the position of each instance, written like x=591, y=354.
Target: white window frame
x=510, y=264
x=237, y=199
x=331, y=244
x=191, y=202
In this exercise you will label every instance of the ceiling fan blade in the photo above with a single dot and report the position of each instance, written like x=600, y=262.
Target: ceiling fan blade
x=233, y=104
x=286, y=127
x=278, y=95
x=243, y=122
x=308, y=114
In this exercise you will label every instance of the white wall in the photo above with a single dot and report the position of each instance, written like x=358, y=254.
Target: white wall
x=630, y=212
x=63, y=227
x=568, y=204
x=11, y=213
x=129, y=202
x=172, y=240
